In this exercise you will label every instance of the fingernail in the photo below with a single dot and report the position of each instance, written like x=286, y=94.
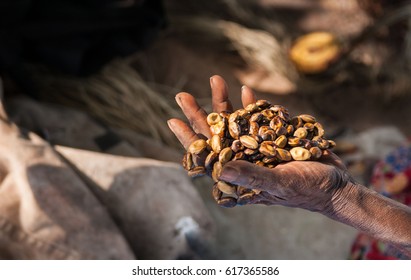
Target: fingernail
x=211, y=82
x=229, y=174
x=243, y=88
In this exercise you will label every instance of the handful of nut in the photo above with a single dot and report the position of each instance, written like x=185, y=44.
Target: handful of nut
x=260, y=133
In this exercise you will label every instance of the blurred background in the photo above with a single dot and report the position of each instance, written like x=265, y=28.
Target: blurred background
x=102, y=76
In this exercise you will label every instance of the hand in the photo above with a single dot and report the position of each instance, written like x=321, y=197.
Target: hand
x=312, y=185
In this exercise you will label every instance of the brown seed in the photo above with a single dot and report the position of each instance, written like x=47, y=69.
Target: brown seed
x=216, y=193
x=299, y=153
x=294, y=141
x=263, y=104
x=283, y=114
x=269, y=114
x=238, y=156
x=234, y=129
x=267, y=149
x=281, y=131
x=215, y=143
x=276, y=123
x=218, y=129
x=188, y=161
x=225, y=155
x=245, y=198
x=227, y=202
x=290, y=129
x=283, y=155
x=255, y=157
x=236, y=146
x=215, y=174
x=242, y=190
x=243, y=113
x=301, y=133
x=323, y=144
x=252, y=108
x=260, y=163
x=267, y=160
x=281, y=141
x=277, y=108
x=254, y=127
x=197, y=146
x=249, y=142
x=263, y=129
x=309, y=126
x=210, y=159
x=331, y=144
x=269, y=135
x=296, y=122
x=305, y=143
x=256, y=117
x=318, y=129
x=225, y=114
x=213, y=118
x=307, y=118
x=250, y=152
x=197, y=171
x=226, y=187
x=233, y=117
x=316, y=152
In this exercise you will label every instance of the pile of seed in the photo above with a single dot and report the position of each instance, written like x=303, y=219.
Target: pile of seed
x=260, y=133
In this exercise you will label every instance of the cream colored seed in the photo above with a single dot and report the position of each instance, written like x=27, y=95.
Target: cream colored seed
x=293, y=141
x=218, y=129
x=301, y=133
x=216, y=144
x=315, y=152
x=214, y=118
x=197, y=146
x=225, y=155
x=226, y=188
x=249, y=142
x=234, y=130
x=299, y=153
x=281, y=141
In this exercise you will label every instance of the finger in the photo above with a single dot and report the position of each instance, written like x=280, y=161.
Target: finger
x=252, y=176
x=247, y=96
x=331, y=158
x=219, y=92
x=194, y=113
x=182, y=131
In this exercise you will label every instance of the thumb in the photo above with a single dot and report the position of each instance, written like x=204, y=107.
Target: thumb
x=249, y=175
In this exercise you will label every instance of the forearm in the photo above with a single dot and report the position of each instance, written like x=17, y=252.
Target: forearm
x=375, y=215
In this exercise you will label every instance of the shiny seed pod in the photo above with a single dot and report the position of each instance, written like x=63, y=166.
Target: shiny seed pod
x=331, y=144
x=283, y=114
x=317, y=138
x=301, y=133
x=233, y=117
x=250, y=152
x=263, y=104
x=281, y=131
x=276, y=123
x=239, y=156
x=242, y=190
x=307, y=118
x=197, y=171
x=218, y=129
x=318, y=129
x=267, y=149
x=217, y=168
x=263, y=129
x=259, y=163
x=294, y=141
x=188, y=161
x=290, y=129
x=216, y=144
x=252, y=108
x=257, y=138
x=299, y=153
x=234, y=130
x=197, y=146
x=216, y=193
x=309, y=126
x=210, y=159
x=227, y=202
x=307, y=144
x=225, y=155
x=249, y=142
x=214, y=118
x=236, y=146
x=315, y=152
x=245, y=198
x=281, y=141
x=226, y=187
x=283, y=154
x=256, y=117
x=254, y=127
x=296, y=122
x=225, y=114
x=277, y=108
x=243, y=113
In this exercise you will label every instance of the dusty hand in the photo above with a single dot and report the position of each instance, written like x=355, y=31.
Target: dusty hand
x=310, y=185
